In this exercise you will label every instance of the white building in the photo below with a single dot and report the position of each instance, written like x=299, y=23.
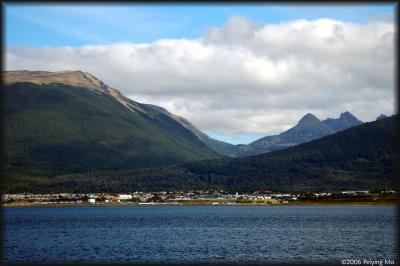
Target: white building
x=92, y=200
x=125, y=197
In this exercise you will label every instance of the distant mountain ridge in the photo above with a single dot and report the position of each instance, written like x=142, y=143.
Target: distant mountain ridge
x=308, y=128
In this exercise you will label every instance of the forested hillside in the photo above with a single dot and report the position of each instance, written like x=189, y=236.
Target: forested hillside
x=362, y=157
x=55, y=128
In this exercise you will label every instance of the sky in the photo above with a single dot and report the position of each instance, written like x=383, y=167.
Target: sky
x=237, y=72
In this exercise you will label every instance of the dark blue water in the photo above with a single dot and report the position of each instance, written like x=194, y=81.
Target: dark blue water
x=199, y=233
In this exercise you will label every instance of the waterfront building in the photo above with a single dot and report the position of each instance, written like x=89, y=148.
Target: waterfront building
x=125, y=197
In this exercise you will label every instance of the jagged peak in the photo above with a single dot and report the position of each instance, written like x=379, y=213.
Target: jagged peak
x=309, y=118
x=343, y=116
x=347, y=114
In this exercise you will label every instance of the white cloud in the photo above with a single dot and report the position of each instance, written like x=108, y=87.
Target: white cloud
x=244, y=78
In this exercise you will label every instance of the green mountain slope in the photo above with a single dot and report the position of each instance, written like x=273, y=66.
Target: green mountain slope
x=361, y=157
x=217, y=146
x=68, y=122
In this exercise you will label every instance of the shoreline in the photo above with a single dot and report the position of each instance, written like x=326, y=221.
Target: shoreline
x=305, y=203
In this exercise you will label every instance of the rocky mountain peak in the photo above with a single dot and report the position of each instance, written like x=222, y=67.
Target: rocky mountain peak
x=344, y=121
x=348, y=116
x=309, y=118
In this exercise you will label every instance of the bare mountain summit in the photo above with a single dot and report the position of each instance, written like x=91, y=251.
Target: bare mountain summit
x=71, y=78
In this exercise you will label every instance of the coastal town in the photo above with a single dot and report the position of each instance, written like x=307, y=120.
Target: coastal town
x=265, y=197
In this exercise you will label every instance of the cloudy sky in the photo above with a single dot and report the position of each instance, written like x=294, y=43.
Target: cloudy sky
x=237, y=72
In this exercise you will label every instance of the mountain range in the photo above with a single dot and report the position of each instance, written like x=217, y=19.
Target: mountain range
x=70, y=122
x=308, y=128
